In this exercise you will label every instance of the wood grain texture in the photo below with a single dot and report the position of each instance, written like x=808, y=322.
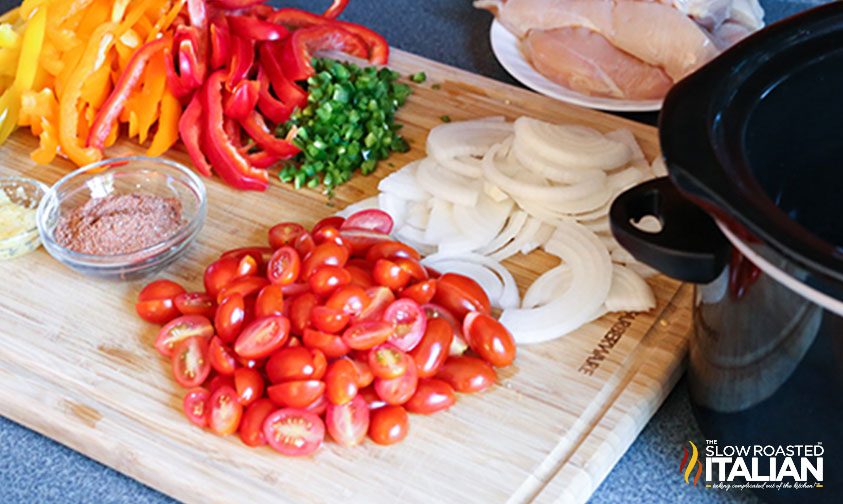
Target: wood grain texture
x=78, y=366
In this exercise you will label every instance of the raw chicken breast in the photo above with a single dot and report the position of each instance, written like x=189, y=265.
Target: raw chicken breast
x=729, y=34
x=660, y=35
x=583, y=60
x=707, y=13
x=653, y=32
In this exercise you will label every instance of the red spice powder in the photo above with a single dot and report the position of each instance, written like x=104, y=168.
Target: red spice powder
x=119, y=224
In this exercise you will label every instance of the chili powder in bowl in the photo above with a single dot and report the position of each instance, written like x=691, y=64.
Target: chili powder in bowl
x=122, y=218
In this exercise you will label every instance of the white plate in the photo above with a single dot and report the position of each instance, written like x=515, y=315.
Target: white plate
x=507, y=49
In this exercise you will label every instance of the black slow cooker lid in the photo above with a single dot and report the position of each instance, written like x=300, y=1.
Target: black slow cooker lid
x=756, y=138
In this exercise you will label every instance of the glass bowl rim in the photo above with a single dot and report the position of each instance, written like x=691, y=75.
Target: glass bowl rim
x=24, y=235
x=144, y=254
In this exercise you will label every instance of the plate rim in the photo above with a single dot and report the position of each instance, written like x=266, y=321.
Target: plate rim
x=541, y=84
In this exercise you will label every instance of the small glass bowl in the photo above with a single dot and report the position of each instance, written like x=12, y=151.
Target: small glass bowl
x=28, y=194
x=156, y=176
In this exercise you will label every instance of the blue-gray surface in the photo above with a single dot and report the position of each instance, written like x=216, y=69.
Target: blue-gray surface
x=36, y=469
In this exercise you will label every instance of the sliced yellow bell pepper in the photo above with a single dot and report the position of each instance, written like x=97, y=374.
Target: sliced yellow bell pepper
x=9, y=38
x=33, y=39
x=168, y=125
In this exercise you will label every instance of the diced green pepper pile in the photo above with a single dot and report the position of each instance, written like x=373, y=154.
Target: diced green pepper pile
x=348, y=123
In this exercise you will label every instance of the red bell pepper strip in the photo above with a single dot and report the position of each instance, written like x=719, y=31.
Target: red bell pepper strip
x=192, y=67
x=271, y=107
x=263, y=159
x=258, y=131
x=294, y=18
x=256, y=29
x=190, y=131
x=197, y=13
x=220, y=36
x=243, y=99
x=335, y=9
x=227, y=160
x=297, y=18
x=259, y=159
x=110, y=111
x=297, y=53
x=242, y=60
x=237, y=4
x=378, y=47
x=287, y=91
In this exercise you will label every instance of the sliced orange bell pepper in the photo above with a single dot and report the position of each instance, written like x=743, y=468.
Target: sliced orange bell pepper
x=96, y=14
x=155, y=82
x=168, y=125
x=94, y=56
x=39, y=110
x=166, y=20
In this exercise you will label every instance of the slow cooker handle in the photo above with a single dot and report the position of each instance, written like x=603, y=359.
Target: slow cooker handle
x=689, y=246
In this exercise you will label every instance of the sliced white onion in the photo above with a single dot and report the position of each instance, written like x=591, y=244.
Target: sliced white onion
x=549, y=285
x=446, y=184
x=484, y=221
x=581, y=197
x=395, y=206
x=591, y=278
x=449, y=141
x=539, y=239
x=659, y=168
x=418, y=213
x=524, y=236
x=364, y=204
x=626, y=137
x=572, y=146
x=513, y=226
x=508, y=298
x=414, y=237
x=440, y=222
x=629, y=292
x=402, y=183
x=547, y=169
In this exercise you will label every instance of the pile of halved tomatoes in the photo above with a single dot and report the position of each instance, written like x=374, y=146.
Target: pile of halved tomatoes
x=339, y=328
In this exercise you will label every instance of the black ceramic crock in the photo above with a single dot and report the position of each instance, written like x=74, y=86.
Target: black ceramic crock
x=752, y=212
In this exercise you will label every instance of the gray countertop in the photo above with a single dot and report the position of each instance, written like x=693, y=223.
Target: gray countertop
x=36, y=469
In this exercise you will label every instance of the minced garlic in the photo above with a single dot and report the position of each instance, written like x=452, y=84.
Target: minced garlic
x=15, y=219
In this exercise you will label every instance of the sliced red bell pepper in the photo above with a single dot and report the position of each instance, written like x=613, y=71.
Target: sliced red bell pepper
x=188, y=73
x=190, y=131
x=297, y=53
x=197, y=13
x=297, y=18
x=378, y=47
x=271, y=107
x=227, y=160
x=259, y=159
x=243, y=99
x=258, y=131
x=237, y=4
x=335, y=9
x=253, y=28
x=287, y=91
x=109, y=112
x=242, y=60
x=294, y=18
x=220, y=41
x=263, y=159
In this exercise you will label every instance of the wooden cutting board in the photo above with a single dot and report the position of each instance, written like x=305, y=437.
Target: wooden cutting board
x=78, y=366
